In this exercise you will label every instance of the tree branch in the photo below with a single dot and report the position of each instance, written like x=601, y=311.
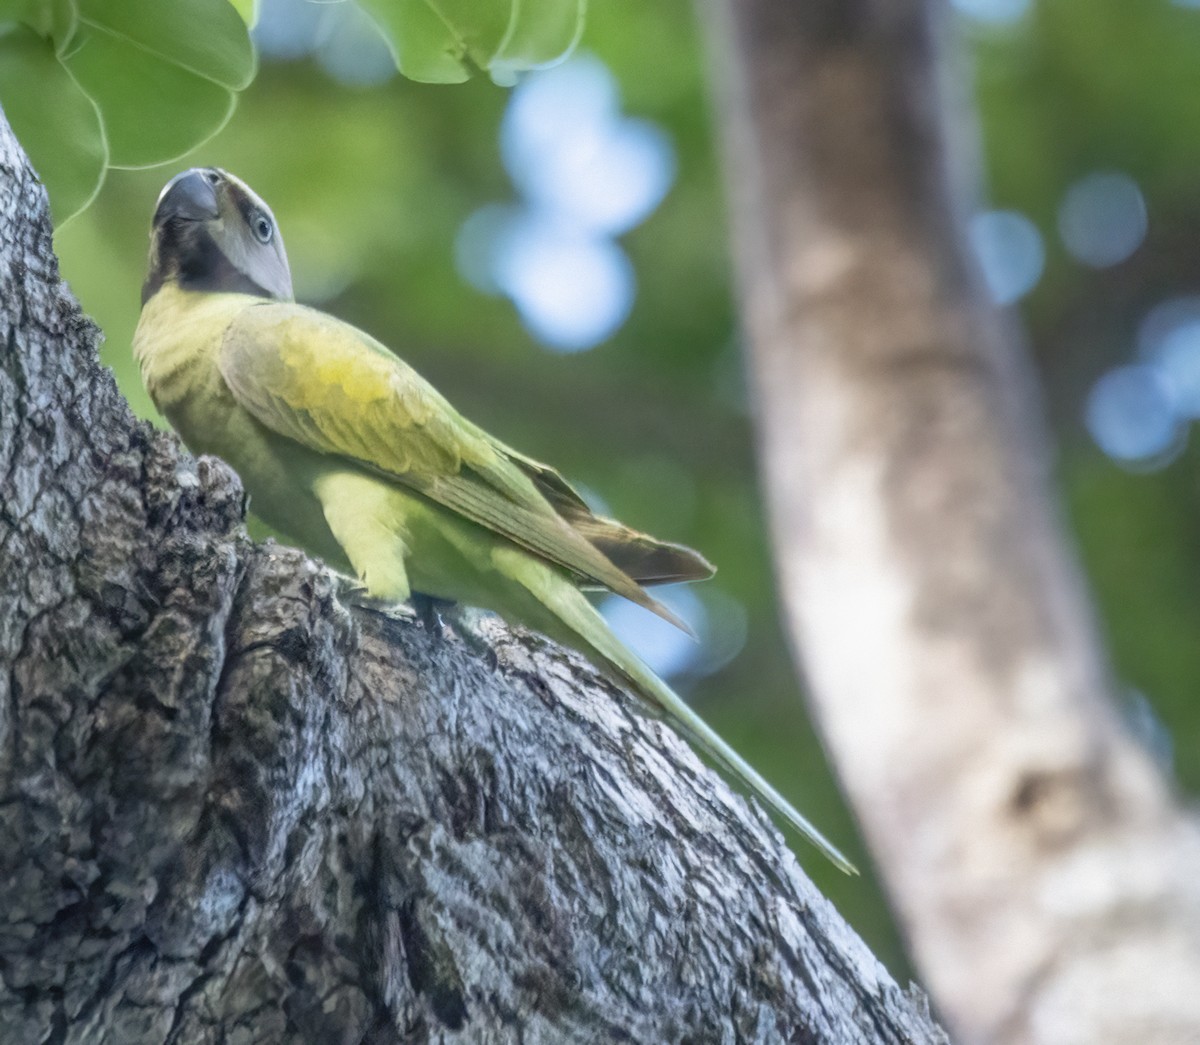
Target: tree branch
x=1039, y=863
x=232, y=810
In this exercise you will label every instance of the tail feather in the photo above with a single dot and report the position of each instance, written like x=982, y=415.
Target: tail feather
x=576, y=623
x=646, y=559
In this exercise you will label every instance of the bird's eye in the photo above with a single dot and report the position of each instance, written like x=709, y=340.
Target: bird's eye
x=213, y=178
x=262, y=228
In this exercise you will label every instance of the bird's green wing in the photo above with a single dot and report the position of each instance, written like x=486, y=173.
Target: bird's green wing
x=312, y=378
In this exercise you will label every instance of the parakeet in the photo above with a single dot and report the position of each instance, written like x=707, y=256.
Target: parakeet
x=347, y=450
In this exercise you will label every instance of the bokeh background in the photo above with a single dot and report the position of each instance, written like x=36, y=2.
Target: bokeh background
x=555, y=258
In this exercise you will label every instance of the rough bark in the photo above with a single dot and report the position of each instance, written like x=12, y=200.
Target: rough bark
x=1041, y=868
x=233, y=810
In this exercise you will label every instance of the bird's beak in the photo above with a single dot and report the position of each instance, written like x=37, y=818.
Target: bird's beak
x=189, y=196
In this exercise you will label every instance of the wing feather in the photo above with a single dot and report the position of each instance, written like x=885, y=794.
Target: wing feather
x=644, y=558
x=325, y=384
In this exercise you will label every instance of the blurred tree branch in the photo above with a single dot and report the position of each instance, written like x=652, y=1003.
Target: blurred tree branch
x=1038, y=861
x=232, y=810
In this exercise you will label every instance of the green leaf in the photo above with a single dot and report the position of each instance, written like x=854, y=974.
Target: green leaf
x=424, y=46
x=153, y=110
x=248, y=9
x=438, y=40
x=205, y=37
x=480, y=27
x=540, y=33
x=61, y=22
x=57, y=124
x=18, y=10
x=53, y=18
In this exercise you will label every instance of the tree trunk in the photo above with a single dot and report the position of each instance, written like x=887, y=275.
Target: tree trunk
x=233, y=810
x=1044, y=874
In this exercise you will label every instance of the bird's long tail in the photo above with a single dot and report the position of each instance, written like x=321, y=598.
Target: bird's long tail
x=582, y=627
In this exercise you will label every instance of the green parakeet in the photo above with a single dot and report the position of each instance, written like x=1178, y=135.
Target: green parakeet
x=345, y=448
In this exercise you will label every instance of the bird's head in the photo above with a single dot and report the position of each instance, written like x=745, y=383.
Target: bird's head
x=212, y=232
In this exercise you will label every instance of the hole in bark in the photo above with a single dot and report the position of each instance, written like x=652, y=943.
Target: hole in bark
x=540, y=688
x=470, y=796
x=1050, y=803
x=1026, y=795
x=58, y=1025
x=431, y=970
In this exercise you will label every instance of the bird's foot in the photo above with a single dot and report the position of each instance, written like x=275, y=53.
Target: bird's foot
x=431, y=612
x=443, y=618
x=354, y=594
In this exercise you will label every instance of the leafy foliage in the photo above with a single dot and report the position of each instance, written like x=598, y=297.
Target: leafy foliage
x=438, y=41
x=137, y=83
x=58, y=123
x=89, y=84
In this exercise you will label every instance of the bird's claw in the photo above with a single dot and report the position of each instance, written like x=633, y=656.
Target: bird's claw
x=354, y=594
